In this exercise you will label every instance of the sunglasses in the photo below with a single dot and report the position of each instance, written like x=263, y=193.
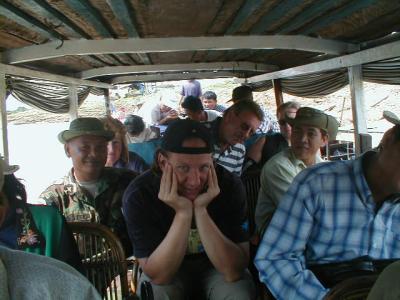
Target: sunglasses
x=283, y=122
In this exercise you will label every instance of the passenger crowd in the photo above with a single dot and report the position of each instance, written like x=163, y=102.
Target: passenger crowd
x=185, y=217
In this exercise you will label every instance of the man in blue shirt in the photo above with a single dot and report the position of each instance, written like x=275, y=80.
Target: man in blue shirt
x=334, y=212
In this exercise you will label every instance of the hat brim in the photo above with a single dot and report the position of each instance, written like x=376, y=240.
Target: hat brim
x=67, y=135
x=332, y=133
x=391, y=117
x=8, y=170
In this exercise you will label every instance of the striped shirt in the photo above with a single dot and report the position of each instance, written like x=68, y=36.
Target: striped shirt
x=327, y=215
x=269, y=123
x=231, y=159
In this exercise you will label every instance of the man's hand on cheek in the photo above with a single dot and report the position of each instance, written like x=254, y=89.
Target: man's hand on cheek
x=169, y=191
x=213, y=190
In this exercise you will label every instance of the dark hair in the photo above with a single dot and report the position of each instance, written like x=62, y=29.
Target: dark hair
x=14, y=189
x=192, y=103
x=246, y=105
x=396, y=133
x=242, y=93
x=210, y=95
x=134, y=124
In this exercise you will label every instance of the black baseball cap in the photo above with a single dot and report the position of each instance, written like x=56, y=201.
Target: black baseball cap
x=183, y=129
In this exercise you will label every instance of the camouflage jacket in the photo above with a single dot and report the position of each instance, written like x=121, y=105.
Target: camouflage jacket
x=78, y=205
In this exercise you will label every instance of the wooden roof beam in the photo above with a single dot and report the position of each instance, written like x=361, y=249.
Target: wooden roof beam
x=23, y=72
x=10, y=12
x=90, y=14
x=124, y=13
x=137, y=45
x=191, y=67
x=246, y=11
x=386, y=51
x=336, y=16
x=53, y=15
x=173, y=76
x=274, y=15
x=309, y=13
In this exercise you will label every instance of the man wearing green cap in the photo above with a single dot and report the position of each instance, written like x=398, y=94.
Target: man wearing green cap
x=311, y=129
x=336, y=221
x=90, y=192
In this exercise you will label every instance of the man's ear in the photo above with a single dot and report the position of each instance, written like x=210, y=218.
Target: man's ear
x=388, y=138
x=325, y=140
x=161, y=161
x=66, y=149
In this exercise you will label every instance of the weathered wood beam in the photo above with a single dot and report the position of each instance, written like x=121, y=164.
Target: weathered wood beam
x=176, y=76
x=358, y=105
x=309, y=13
x=338, y=15
x=276, y=83
x=246, y=11
x=274, y=15
x=73, y=102
x=44, y=9
x=25, y=20
x=90, y=14
x=389, y=50
x=137, y=45
x=107, y=101
x=192, y=67
x=23, y=72
x=123, y=11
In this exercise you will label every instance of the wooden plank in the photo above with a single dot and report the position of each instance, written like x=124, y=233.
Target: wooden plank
x=137, y=45
x=357, y=104
x=274, y=15
x=73, y=102
x=276, y=83
x=107, y=101
x=337, y=16
x=311, y=12
x=246, y=11
x=389, y=50
x=13, y=70
x=23, y=19
x=91, y=15
x=167, y=77
x=51, y=14
x=124, y=13
x=214, y=66
x=3, y=116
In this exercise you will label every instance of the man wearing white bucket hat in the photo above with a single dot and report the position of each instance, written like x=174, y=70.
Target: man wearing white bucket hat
x=338, y=218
